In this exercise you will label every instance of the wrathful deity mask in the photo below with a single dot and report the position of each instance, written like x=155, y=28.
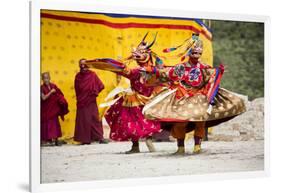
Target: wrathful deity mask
x=142, y=53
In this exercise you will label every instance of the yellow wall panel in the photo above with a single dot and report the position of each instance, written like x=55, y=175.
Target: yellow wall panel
x=65, y=41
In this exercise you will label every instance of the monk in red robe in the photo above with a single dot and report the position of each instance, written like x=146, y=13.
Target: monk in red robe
x=53, y=106
x=88, y=126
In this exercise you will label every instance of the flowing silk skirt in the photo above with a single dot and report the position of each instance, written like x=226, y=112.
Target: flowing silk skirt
x=128, y=123
x=226, y=105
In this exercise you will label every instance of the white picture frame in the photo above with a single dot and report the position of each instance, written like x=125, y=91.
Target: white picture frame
x=95, y=6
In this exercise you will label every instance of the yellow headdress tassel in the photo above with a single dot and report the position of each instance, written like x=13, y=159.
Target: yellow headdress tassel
x=189, y=42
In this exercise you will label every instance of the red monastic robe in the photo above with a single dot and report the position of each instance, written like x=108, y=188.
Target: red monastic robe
x=51, y=108
x=88, y=126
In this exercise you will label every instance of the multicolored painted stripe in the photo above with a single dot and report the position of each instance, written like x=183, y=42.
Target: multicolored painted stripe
x=121, y=25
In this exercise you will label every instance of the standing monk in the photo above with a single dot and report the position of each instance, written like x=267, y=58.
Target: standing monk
x=53, y=105
x=88, y=126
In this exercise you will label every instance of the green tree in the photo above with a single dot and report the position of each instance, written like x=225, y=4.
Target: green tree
x=240, y=46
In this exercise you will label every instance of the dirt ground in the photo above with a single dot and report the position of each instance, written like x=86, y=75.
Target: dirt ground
x=70, y=163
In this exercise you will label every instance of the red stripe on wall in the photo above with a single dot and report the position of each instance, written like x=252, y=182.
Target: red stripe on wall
x=125, y=25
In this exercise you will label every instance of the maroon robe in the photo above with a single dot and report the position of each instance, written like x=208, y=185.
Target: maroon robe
x=88, y=126
x=51, y=108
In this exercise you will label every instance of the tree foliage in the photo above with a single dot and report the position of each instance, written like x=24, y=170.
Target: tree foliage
x=240, y=46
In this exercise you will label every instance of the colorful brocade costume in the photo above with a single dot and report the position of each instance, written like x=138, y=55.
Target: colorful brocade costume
x=125, y=116
x=193, y=95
